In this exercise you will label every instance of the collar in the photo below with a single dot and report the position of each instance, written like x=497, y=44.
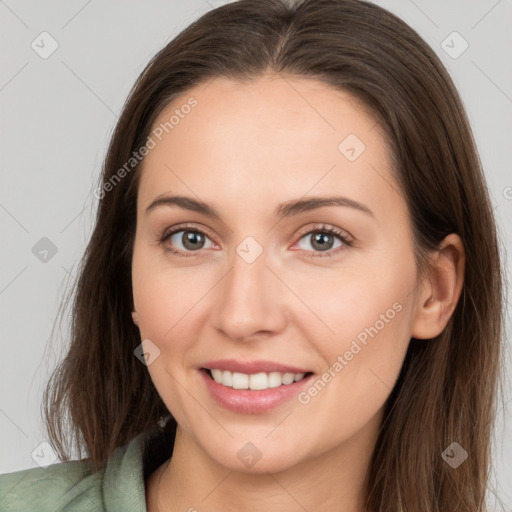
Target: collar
x=130, y=465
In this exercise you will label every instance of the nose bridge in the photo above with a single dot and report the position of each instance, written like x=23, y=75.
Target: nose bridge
x=249, y=296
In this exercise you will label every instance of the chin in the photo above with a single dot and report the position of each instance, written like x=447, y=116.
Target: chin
x=256, y=457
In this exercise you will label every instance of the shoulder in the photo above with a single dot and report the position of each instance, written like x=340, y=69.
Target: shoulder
x=54, y=488
x=77, y=486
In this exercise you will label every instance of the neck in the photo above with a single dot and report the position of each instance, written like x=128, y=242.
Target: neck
x=193, y=481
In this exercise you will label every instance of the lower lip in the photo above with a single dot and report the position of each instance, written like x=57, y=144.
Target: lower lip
x=249, y=401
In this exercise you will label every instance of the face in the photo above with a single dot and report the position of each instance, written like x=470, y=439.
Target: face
x=262, y=281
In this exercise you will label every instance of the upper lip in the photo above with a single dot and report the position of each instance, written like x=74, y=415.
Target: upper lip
x=250, y=367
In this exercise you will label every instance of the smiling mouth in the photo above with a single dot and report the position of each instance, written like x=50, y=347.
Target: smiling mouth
x=254, y=381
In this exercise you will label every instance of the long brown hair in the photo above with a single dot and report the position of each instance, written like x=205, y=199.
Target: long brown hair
x=447, y=389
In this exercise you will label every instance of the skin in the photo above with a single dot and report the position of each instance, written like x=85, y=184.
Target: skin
x=244, y=149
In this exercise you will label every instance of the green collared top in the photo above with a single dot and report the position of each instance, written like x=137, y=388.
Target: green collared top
x=74, y=486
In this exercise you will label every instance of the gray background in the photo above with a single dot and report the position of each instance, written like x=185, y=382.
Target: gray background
x=58, y=114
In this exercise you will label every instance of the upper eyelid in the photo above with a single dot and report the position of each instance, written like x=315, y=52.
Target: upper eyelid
x=333, y=230
x=186, y=227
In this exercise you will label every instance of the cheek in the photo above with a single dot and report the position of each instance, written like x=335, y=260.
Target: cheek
x=362, y=365
x=352, y=302
x=164, y=302
x=163, y=295
x=370, y=315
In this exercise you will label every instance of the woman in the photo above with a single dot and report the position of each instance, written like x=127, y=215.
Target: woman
x=333, y=338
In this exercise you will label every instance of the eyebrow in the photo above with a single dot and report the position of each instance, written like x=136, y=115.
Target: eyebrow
x=287, y=209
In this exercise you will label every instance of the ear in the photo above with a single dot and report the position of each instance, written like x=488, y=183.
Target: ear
x=135, y=318
x=440, y=290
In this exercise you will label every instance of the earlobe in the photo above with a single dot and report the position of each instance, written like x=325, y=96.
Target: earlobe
x=440, y=290
x=135, y=318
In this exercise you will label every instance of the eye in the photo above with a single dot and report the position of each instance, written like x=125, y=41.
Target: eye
x=325, y=241
x=187, y=239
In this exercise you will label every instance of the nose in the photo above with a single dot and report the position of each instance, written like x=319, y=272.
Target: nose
x=250, y=301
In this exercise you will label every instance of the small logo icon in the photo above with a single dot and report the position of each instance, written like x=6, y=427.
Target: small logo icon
x=147, y=352
x=454, y=455
x=44, y=250
x=454, y=45
x=249, y=249
x=249, y=455
x=43, y=454
x=44, y=45
x=351, y=147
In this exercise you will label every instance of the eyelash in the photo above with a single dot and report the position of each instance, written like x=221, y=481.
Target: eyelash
x=341, y=235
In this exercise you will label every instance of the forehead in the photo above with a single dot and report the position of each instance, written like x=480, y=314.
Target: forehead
x=270, y=104
x=270, y=135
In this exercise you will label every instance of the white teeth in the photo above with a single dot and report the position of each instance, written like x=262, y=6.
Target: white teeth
x=255, y=381
x=227, y=378
x=258, y=381
x=217, y=376
x=274, y=379
x=288, y=378
x=240, y=381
